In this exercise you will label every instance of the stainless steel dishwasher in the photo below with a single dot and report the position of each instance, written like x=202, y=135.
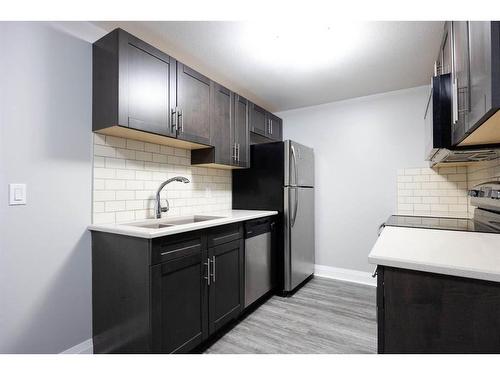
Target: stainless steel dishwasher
x=258, y=259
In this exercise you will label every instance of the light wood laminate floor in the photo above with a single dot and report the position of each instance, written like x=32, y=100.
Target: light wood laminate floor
x=324, y=316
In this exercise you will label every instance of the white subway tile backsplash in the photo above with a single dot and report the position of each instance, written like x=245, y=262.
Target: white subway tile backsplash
x=114, y=206
x=134, y=185
x=124, y=195
x=104, y=195
x=432, y=192
x=135, y=145
x=112, y=163
x=99, y=161
x=150, y=147
x=99, y=184
x=146, y=156
x=159, y=158
x=115, y=184
x=125, y=174
x=103, y=217
x=115, y=141
x=104, y=173
x=124, y=216
x=100, y=150
x=128, y=172
x=125, y=154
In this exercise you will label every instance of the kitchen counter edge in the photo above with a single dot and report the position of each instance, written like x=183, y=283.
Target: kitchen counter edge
x=233, y=216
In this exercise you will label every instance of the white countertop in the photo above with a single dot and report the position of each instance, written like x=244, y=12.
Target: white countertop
x=226, y=217
x=466, y=254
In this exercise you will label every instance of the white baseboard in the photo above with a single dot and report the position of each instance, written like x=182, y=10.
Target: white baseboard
x=345, y=274
x=85, y=347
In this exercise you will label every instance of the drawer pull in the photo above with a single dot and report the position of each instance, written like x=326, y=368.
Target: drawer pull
x=181, y=249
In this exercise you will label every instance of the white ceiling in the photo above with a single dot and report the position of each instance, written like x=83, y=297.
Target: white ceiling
x=286, y=65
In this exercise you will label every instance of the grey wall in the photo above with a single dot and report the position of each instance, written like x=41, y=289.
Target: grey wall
x=45, y=141
x=359, y=145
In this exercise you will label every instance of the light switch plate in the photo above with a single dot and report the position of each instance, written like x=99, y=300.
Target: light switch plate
x=17, y=194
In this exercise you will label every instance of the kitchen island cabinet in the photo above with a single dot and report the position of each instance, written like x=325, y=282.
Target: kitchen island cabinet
x=423, y=312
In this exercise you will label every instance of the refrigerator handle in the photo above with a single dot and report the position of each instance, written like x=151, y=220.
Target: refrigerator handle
x=296, y=206
x=294, y=157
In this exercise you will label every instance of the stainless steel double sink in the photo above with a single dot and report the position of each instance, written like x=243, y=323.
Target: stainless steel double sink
x=173, y=222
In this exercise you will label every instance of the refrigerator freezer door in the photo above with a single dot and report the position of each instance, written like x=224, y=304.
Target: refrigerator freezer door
x=299, y=235
x=299, y=165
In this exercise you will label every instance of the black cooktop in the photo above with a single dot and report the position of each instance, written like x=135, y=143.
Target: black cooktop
x=486, y=224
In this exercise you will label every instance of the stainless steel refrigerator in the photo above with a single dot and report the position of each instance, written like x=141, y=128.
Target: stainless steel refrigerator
x=281, y=177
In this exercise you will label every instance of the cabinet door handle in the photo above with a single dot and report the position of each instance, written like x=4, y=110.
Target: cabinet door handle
x=181, y=121
x=208, y=271
x=271, y=125
x=213, y=268
x=238, y=152
x=174, y=120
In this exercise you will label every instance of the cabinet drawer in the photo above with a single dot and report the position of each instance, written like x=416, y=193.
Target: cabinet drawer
x=177, y=246
x=226, y=233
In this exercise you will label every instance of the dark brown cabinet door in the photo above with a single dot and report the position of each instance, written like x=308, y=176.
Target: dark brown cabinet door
x=220, y=125
x=424, y=312
x=226, y=288
x=275, y=128
x=258, y=119
x=460, y=76
x=480, y=70
x=133, y=85
x=443, y=64
x=148, y=88
x=193, y=104
x=179, y=304
x=240, y=135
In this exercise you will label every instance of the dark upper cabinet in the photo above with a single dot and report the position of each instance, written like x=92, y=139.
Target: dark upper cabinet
x=480, y=70
x=460, y=79
x=240, y=132
x=220, y=127
x=180, y=322
x=142, y=93
x=258, y=120
x=228, y=131
x=192, y=105
x=221, y=119
x=476, y=83
x=226, y=290
x=443, y=64
x=265, y=124
x=133, y=85
x=275, y=128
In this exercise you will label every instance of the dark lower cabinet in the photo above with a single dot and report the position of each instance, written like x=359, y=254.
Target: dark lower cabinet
x=421, y=312
x=168, y=294
x=227, y=287
x=179, y=300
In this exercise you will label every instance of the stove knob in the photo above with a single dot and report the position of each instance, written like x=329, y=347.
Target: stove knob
x=474, y=193
x=495, y=194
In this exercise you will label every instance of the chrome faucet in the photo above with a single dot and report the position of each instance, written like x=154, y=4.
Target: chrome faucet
x=158, y=208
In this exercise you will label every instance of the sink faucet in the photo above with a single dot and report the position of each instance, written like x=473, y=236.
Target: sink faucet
x=158, y=208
